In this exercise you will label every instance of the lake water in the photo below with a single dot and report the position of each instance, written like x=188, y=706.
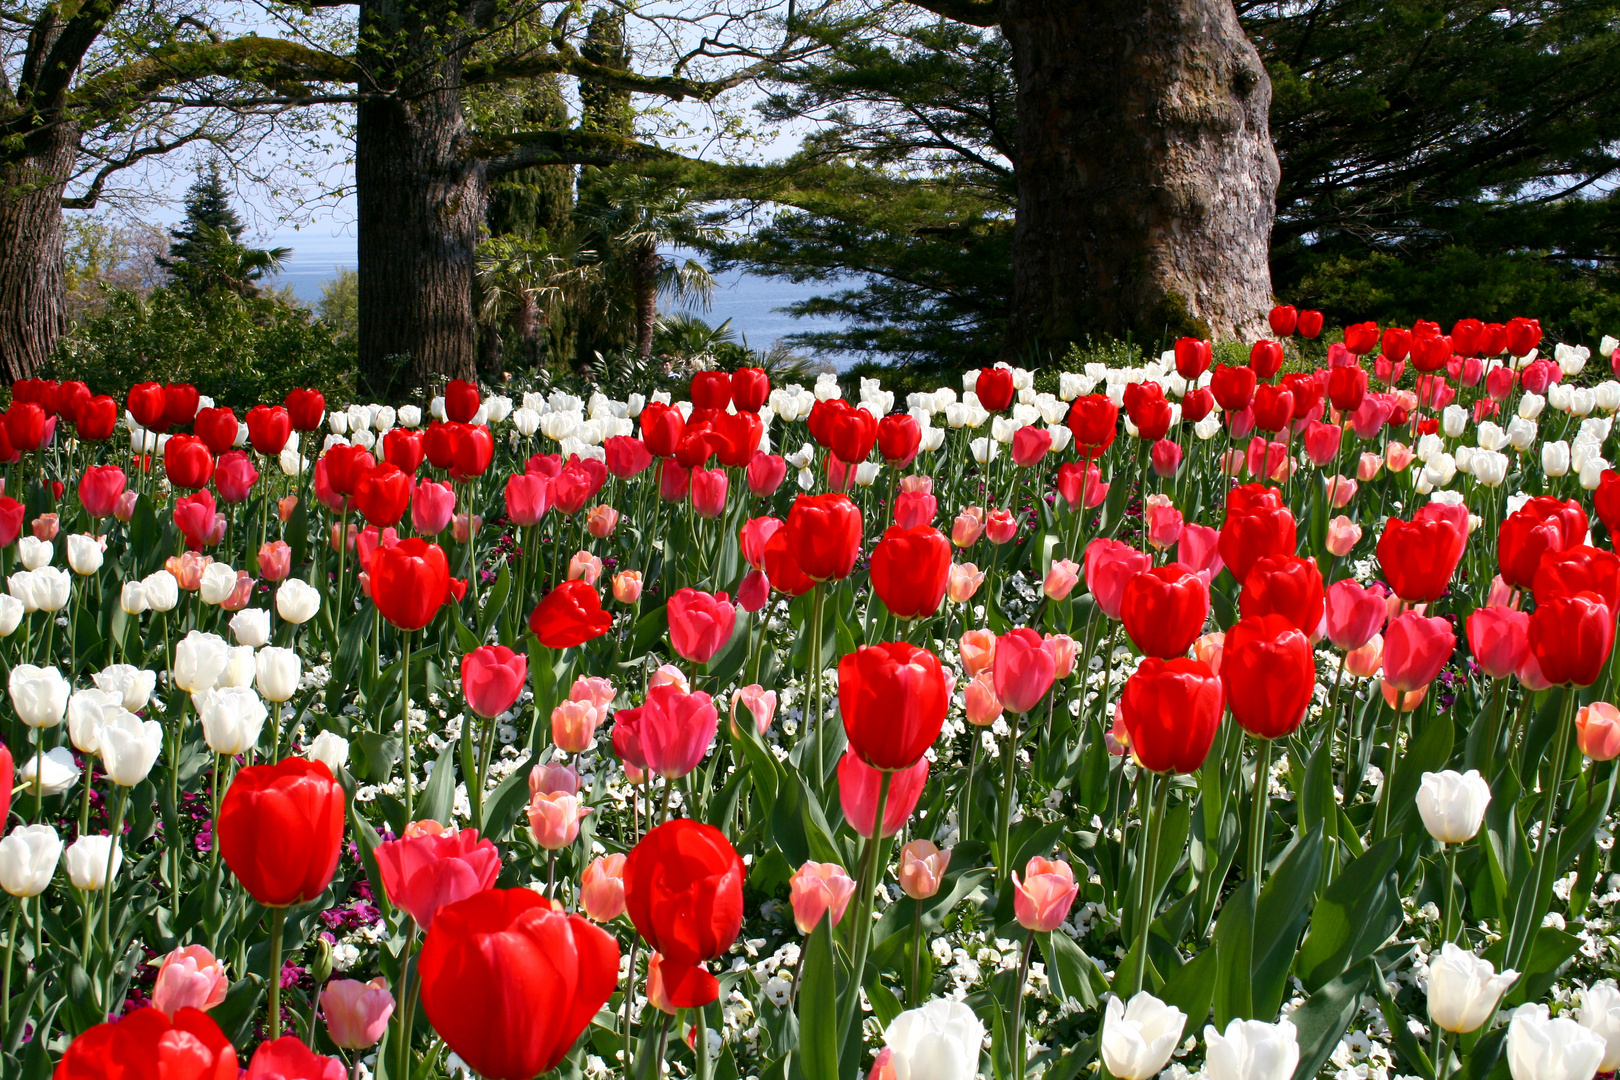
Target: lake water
x=749, y=301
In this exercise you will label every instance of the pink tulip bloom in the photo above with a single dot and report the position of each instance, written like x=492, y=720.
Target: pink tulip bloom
x=1355, y=614
x=766, y=473
x=962, y=581
x=1502, y=594
x=1498, y=637
x=1366, y=661
x=275, y=560
x=1041, y=901
x=492, y=677
x=978, y=648
x=1209, y=649
x=1061, y=579
x=1402, y=700
x=754, y=535
x=601, y=888
x=914, y=508
x=669, y=734
x=573, y=726
x=1110, y=564
x=124, y=508
x=357, y=1013
x=1367, y=466
x=554, y=819
x=1165, y=458
x=816, y=889
x=585, y=567
x=1342, y=536
x=1340, y=490
x=709, y=488
x=425, y=870
x=1232, y=462
x=600, y=521
x=858, y=788
x=1597, y=731
x=627, y=586
x=594, y=689
x=1196, y=550
x=1029, y=445
x=1024, y=669
x=190, y=978
x=979, y=695
x=669, y=675
x=967, y=527
x=753, y=591
x=700, y=624
x=46, y=526
x=1064, y=653
x=760, y=703
x=922, y=868
x=1322, y=442
x=553, y=778
x=528, y=497
x=1164, y=521
x=1001, y=526
x=1415, y=649
x=432, y=505
x=1398, y=456
x=1530, y=675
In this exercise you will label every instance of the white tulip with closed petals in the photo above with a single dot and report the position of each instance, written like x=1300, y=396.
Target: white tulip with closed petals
x=28, y=858
x=1464, y=989
x=1252, y=1050
x=940, y=1041
x=1138, y=1039
x=129, y=748
x=1453, y=804
x=1540, y=1047
x=39, y=695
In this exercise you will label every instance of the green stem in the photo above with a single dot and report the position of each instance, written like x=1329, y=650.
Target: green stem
x=1527, y=919
x=1146, y=870
x=817, y=599
x=11, y=958
x=278, y=921
x=106, y=890
x=1453, y=916
x=967, y=792
x=1009, y=774
x=1018, y=1008
x=700, y=1047
x=1261, y=803
x=405, y=726
x=872, y=867
x=913, y=991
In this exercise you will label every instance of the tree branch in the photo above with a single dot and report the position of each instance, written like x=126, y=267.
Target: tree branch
x=972, y=12
x=522, y=149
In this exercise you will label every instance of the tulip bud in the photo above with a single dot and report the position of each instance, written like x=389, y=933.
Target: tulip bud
x=627, y=586
x=251, y=627
x=1453, y=804
x=129, y=748
x=189, y=978
x=28, y=858
x=330, y=750
x=356, y=1013
x=922, y=868
x=601, y=888
x=297, y=601
x=1251, y=1050
x=86, y=862
x=85, y=553
x=1464, y=989
x=1137, y=1040
x=277, y=673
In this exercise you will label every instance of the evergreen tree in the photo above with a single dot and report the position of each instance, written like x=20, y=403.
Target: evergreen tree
x=206, y=253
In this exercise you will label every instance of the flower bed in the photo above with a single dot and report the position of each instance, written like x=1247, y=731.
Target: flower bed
x=1225, y=722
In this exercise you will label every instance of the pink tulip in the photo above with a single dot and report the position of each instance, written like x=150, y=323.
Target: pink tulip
x=356, y=1013
x=1397, y=456
x=600, y=521
x=189, y=978
x=573, y=726
x=1064, y=653
x=669, y=675
x=594, y=689
x=967, y=527
x=978, y=649
x=431, y=866
x=1322, y=442
x=669, y=734
x=1265, y=458
x=1415, y=649
x=1196, y=549
x=673, y=480
x=858, y=788
x=1164, y=521
x=1165, y=458
x=914, y=508
x=1354, y=614
x=432, y=505
x=766, y=473
x=554, y=819
x=709, y=488
x=979, y=696
x=124, y=508
x=1209, y=649
x=1340, y=490
x=962, y=581
x=1061, y=579
x=553, y=778
x=46, y=526
x=922, y=868
x=1109, y=566
x=753, y=591
x=1368, y=466
x=700, y=624
x=1530, y=675
x=241, y=594
x=754, y=535
x=1342, y=536
x=817, y=888
x=1502, y=594
x=627, y=586
x=585, y=567
x=917, y=484
x=1366, y=661
x=1001, y=526
x=760, y=703
x=492, y=677
x=1024, y=669
x=601, y=888
x=1597, y=731
x=528, y=497
x=275, y=560
x=1232, y=462
x=1029, y=445
x=463, y=527
x=1402, y=700
x=1498, y=637
x=1041, y=901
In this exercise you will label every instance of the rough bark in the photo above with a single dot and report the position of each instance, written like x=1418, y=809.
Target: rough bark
x=644, y=272
x=32, y=274
x=1146, y=173
x=419, y=197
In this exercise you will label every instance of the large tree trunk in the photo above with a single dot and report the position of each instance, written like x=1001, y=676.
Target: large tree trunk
x=420, y=198
x=32, y=296
x=645, y=275
x=1146, y=173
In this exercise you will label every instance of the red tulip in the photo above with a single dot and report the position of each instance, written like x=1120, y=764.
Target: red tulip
x=187, y=462
x=305, y=408
x=1579, y=569
x=25, y=426
x=1269, y=675
x=750, y=387
x=1419, y=557
x=783, y=569
x=824, y=535
x=1606, y=501
x=1196, y=404
x=700, y=624
x=1347, y=387
x=145, y=403
x=472, y=448
x=510, y=983
x=409, y=582
x=711, y=390
x=1233, y=387
x=1543, y=524
x=765, y=474
x=1361, y=338
x=1024, y=669
x=661, y=428
x=179, y=404
x=1522, y=336
x=683, y=891
x=851, y=431
x=1094, y=420
x=235, y=476
x=626, y=456
x=1310, y=324
x=898, y=437
x=571, y=614
x=1164, y=610
x=492, y=677
x=269, y=429
x=1415, y=649
x=345, y=465
x=1148, y=411
x=754, y=535
x=669, y=734
x=1252, y=531
x=382, y=495
x=1193, y=356
x=281, y=830
x=1029, y=445
x=859, y=786
x=146, y=1043
x=893, y=698
x=1266, y=358
x=1273, y=407
x=1109, y=567
x=1171, y=708
x=1397, y=344
x=735, y=438
x=909, y=570
x=97, y=418
x=1570, y=638
x=1499, y=638
x=217, y=428
x=528, y=497
x=403, y=449
x=99, y=489
x=1283, y=319
x=994, y=388
x=1354, y=614
x=1285, y=585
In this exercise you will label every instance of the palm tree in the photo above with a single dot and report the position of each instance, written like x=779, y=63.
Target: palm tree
x=534, y=283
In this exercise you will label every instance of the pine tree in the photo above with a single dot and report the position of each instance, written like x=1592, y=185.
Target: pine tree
x=206, y=253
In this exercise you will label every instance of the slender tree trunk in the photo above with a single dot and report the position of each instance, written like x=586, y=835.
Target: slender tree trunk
x=1146, y=173
x=420, y=198
x=32, y=285
x=647, y=264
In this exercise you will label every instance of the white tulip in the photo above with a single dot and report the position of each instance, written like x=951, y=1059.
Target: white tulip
x=1453, y=420
x=86, y=861
x=52, y=772
x=1582, y=400
x=1600, y=1014
x=410, y=416
x=251, y=627
x=297, y=601
x=932, y=439
x=28, y=858
x=162, y=591
x=338, y=422
x=364, y=438
x=239, y=669
x=291, y=462
x=1608, y=395
x=940, y=1041
x=1464, y=989
x=1592, y=473
x=328, y=749
x=217, y=584
x=11, y=614
x=984, y=450
x=1490, y=435
x=384, y=418
x=129, y=748
x=39, y=695
x=87, y=713
x=526, y=421
x=1555, y=458
x=133, y=683
x=1571, y=358
x=132, y=598
x=53, y=588
x=1541, y=1048
x=278, y=672
x=1559, y=396
x=1137, y=1041
x=1251, y=1050
x=20, y=587
x=1530, y=405
x=1607, y=346
x=1521, y=433
x=34, y=552
x=232, y=719
x=85, y=553
x=199, y=661
x=866, y=473
x=1440, y=469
